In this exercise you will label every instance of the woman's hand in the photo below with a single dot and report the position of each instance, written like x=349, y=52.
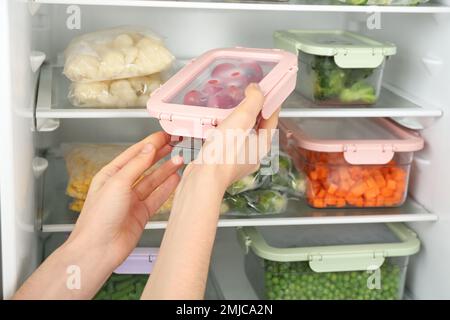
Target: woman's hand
x=235, y=149
x=118, y=204
x=182, y=266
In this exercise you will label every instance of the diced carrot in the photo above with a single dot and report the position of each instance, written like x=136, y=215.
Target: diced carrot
x=340, y=193
x=359, y=202
x=330, y=200
x=314, y=175
x=340, y=203
x=321, y=193
x=380, y=180
x=398, y=196
x=358, y=189
x=370, y=203
x=371, y=193
x=332, y=188
x=318, y=203
x=371, y=183
x=380, y=201
x=343, y=173
x=386, y=192
x=344, y=185
x=365, y=173
x=391, y=184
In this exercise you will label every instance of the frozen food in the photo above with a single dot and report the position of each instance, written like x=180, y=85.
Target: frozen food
x=123, y=93
x=116, y=53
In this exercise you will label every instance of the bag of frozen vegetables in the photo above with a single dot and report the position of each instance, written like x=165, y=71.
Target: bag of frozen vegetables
x=255, y=202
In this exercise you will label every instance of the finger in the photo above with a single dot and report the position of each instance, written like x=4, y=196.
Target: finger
x=135, y=167
x=266, y=130
x=161, y=194
x=159, y=139
x=161, y=153
x=245, y=114
x=152, y=181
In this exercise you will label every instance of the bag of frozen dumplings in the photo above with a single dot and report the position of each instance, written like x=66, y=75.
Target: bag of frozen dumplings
x=116, y=53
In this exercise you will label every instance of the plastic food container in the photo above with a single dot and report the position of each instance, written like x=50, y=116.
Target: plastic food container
x=336, y=67
x=384, y=2
x=205, y=91
x=129, y=279
x=364, y=261
x=352, y=162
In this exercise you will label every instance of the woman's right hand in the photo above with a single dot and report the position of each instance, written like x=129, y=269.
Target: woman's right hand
x=235, y=148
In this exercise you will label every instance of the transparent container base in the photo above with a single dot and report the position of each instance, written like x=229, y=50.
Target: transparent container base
x=322, y=81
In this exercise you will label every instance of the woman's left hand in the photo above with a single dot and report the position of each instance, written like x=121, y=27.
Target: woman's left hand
x=118, y=204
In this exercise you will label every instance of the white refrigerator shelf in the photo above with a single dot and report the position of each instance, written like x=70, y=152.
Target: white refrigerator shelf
x=56, y=217
x=52, y=103
x=275, y=5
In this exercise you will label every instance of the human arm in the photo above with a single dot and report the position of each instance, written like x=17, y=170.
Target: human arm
x=111, y=222
x=182, y=266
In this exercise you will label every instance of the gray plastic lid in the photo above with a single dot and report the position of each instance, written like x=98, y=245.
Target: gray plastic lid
x=332, y=248
x=350, y=50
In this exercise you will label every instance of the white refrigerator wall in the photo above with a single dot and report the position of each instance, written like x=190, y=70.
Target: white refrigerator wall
x=189, y=33
x=421, y=70
x=19, y=238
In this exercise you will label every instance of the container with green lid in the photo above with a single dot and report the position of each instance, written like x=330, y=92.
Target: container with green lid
x=384, y=2
x=336, y=67
x=358, y=261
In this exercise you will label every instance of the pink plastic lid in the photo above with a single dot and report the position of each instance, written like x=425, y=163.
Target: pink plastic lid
x=205, y=91
x=362, y=140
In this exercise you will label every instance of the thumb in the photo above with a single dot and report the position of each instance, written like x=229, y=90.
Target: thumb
x=245, y=114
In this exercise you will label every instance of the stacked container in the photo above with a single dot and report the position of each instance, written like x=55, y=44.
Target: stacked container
x=336, y=67
x=328, y=262
x=352, y=162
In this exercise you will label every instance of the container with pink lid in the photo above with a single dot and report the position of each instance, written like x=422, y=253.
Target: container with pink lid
x=206, y=90
x=351, y=162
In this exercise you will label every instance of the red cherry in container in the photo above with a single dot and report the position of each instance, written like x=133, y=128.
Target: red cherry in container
x=221, y=100
x=237, y=94
x=212, y=87
x=194, y=98
x=253, y=71
x=222, y=70
x=237, y=79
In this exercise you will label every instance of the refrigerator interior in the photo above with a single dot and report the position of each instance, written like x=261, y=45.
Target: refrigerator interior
x=416, y=78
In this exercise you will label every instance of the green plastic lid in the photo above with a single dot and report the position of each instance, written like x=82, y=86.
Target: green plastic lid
x=350, y=50
x=341, y=248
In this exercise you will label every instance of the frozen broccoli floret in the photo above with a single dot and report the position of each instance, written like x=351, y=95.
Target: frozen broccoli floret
x=247, y=183
x=267, y=201
x=356, y=2
x=329, y=83
x=359, y=92
x=284, y=163
x=298, y=183
x=237, y=203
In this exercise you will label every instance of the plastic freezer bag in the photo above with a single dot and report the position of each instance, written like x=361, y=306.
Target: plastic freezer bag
x=83, y=161
x=385, y=2
x=116, y=53
x=131, y=92
x=256, y=202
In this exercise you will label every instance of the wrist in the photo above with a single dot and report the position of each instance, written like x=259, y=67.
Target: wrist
x=210, y=176
x=92, y=257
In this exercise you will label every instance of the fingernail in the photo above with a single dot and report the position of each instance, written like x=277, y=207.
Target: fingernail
x=148, y=148
x=254, y=85
x=177, y=160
